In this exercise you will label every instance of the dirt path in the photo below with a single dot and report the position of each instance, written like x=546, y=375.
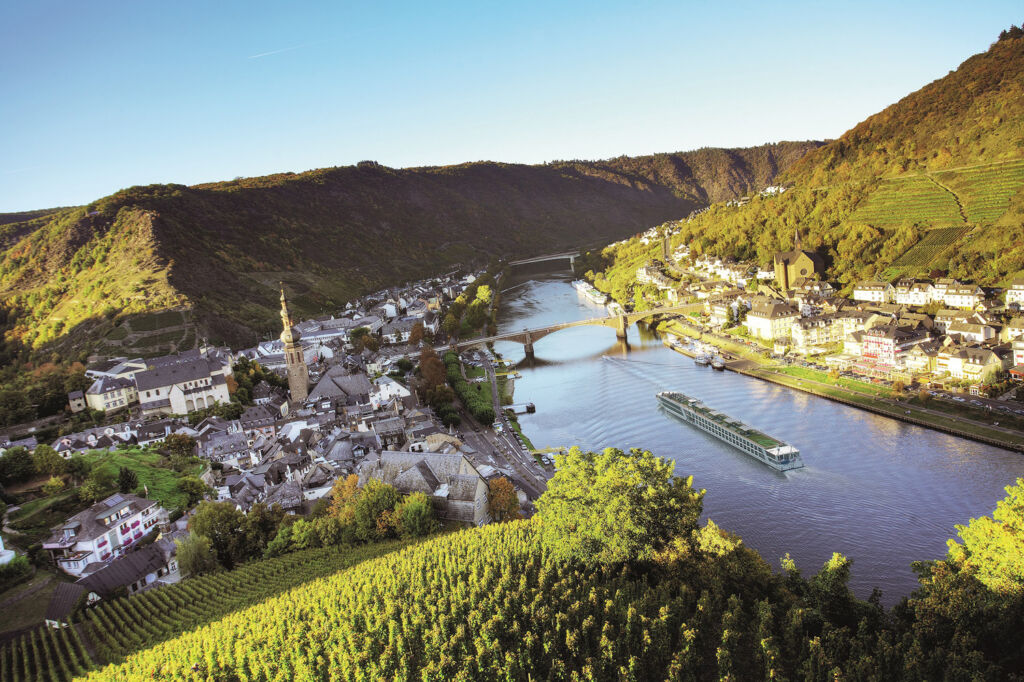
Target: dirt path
x=959, y=206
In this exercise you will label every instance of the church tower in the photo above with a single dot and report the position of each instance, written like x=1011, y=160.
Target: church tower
x=298, y=375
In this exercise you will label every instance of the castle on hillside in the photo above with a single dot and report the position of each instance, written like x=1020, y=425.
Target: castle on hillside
x=791, y=266
x=298, y=374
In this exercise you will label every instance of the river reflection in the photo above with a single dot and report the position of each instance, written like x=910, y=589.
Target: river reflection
x=882, y=492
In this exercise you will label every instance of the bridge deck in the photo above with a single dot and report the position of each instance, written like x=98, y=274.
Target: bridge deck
x=530, y=335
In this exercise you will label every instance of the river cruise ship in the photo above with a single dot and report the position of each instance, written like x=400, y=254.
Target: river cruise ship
x=591, y=294
x=771, y=451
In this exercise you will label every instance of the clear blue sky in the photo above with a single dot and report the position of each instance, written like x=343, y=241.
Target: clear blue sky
x=97, y=96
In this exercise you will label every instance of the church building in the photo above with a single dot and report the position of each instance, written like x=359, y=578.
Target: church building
x=796, y=264
x=298, y=374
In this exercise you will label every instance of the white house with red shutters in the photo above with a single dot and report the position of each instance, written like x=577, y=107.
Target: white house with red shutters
x=103, y=532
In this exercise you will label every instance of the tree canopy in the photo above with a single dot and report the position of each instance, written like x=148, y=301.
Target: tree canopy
x=615, y=506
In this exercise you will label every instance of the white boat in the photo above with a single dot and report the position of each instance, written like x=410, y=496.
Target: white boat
x=777, y=454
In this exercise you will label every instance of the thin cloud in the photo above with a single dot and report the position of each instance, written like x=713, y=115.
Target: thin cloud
x=283, y=49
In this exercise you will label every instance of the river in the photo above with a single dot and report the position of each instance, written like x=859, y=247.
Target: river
x=882, y=492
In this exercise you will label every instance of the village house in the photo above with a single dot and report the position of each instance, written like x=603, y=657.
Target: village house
x=385, y=389
x=973, y=333
x=1013, y=330
x=873, y=291
x=76, y=401
x=770, y=321
x=98, y=438
x=110, y=394
x=964, y=296
x=922, y=358
x=945, y=317
x=259, y=419
x=1018, y=352
x=102, y=532
x=910, y=292
x=398, y=331
x=1015, y=294
x=808, y=333
x=148, y=566
x=970, y=363
x=886, y=345
x=340, y=386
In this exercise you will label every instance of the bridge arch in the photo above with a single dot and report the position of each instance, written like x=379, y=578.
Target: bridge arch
x=620, y=323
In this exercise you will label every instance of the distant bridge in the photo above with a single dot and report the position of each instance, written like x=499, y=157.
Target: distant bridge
x=570, y=255
x=620, y=323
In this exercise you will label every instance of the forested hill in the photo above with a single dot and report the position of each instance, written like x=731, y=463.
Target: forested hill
x=332, y=234
x=933, y=183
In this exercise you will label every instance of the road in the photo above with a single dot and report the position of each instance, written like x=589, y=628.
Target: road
x=504, y=445
x=507, y=440
x=981, y=406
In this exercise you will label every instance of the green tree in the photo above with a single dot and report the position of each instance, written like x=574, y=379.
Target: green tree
x=281, y=544
x=53, y=486
x=414, y=516
x=992, y=548
x=224, y=526
x=46, y=460
x=450, y=324
x=194, y=488
x=127, y=480
x=196, y=555
x=375, y=500
x=99, y=484
x=16, y=465
x=261, y=526
x=615, y=506
x=181, y=450
x=78, y=468
x=484, y=293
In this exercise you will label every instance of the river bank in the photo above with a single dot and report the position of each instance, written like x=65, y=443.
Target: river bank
x=754, y=365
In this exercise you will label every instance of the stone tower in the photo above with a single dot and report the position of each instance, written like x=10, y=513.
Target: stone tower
x=298, y=375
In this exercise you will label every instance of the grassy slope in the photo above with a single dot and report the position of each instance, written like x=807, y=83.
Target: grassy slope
x=868, y=197
x=335, y=233
x=152, y=470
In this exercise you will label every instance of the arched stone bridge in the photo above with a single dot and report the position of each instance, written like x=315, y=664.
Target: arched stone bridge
x=620, y=323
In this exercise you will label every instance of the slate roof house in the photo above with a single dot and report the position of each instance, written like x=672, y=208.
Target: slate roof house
x=457, y=489
x=102, y=532
x=182, y=384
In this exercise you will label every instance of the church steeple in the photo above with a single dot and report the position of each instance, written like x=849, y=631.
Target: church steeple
x=288, y=335
x=298, y=374
x=796, y=246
